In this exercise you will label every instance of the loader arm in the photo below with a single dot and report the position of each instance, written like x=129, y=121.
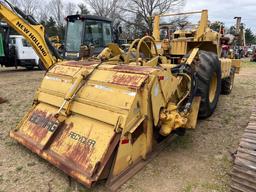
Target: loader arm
x=32, y=31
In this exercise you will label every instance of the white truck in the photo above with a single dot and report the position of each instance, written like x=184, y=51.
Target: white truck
x=25, y=54
x=17, y=52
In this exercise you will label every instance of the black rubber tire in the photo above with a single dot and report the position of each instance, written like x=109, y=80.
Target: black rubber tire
x=209, y=65
x=29, y=67
x=227, y=84
x=180, y=132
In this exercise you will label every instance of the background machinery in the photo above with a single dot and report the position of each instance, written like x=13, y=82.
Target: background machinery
x=196, y=37
x=16, y=51
x=86, y=35
x=106, y=117
x=57, y=43
x=236, y=41
x=239, y=40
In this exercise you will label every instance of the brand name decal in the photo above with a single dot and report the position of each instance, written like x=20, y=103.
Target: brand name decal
x=82, y=139
x=41, y=121
x=32, y=37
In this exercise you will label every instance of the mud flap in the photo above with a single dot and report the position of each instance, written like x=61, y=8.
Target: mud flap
x=80, y=146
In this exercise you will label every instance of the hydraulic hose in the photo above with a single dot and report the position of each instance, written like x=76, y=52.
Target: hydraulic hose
x=186, y=71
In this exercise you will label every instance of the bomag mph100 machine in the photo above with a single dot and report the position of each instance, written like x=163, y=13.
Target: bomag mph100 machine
x=104, y=118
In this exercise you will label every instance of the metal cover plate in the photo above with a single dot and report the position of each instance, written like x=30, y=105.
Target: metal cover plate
x=81, y=146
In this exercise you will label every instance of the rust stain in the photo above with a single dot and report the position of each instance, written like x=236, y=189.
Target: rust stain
x=130, y=80
x=77, y=153
x=36, y=131
x=133, y=69
x=70, y=68
x=69, y=168
x=62, y=134
x=76, y=156
x=81, y=155
x=59, y=69
x=81, y=63
x=57, y=160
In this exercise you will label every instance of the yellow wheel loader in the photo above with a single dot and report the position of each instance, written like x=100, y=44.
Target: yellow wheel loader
x=104, y=118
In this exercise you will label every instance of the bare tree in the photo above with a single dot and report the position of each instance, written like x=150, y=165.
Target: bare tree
x=106, y=8
x=57, y=9
x=30, y=7
x=15, y=2
x=70, y=8
x=83, y=9
x=43, y=13
x=146, y=9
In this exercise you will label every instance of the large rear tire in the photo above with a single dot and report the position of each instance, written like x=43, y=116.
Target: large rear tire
x=208, y=82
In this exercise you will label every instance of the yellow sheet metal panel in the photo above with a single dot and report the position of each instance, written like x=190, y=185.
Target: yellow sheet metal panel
x=225, y=67
x=237, y=64
x=81, y=107
x=78, y=146
x=179, y=47
x=157, y=101
x=107, y=89
x=57, y=83
x=98, y=113
x=130, y=149
x=119, y=78
x=192, y=118
x=168, y=84
x=83, y=141
x=40, y=125
x=108, y=95
x=65, y=70
x=135, y=113
x=50, y=98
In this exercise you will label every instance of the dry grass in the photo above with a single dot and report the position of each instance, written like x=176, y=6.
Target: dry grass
x=198, y=162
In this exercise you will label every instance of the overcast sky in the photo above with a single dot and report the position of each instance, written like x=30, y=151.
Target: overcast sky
x=226, y=10
x=223, y=10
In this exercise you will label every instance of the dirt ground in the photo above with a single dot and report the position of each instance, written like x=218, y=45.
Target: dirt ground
x=198, y=162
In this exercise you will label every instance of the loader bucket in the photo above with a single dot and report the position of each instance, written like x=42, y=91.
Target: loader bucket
x=84, y=143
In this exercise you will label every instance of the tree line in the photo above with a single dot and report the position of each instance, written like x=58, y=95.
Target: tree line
x=135, y=16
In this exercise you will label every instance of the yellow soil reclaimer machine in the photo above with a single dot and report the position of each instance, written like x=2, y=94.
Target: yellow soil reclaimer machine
x=106, y=117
